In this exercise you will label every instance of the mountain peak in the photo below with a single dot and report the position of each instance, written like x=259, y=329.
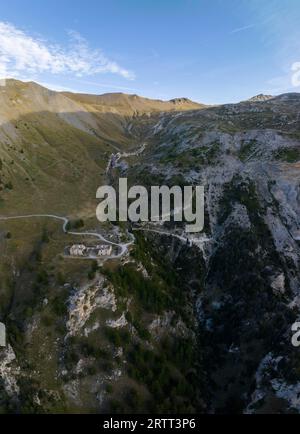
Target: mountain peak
x=181, y=100
x=260, y=97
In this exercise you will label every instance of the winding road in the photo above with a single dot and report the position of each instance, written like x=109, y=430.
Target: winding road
x=123, y=246
x=190, y=240
x=114, y=158
x=65, y=220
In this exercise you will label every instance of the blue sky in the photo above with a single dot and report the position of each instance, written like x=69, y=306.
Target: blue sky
x=212, y=51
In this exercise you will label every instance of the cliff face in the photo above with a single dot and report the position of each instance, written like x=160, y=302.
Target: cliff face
x=247, y=157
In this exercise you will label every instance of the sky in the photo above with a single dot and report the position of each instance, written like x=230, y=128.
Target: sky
x=212, y=51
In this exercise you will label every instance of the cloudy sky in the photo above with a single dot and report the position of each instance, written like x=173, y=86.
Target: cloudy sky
x=212, y=51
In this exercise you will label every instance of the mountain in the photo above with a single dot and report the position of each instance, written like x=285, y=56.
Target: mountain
x=172, y=325
x=129, y=105
x=246, y=297
x=260, y=97
x=48, y=136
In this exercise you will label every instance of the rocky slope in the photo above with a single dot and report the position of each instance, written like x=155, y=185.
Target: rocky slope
x=247, y=157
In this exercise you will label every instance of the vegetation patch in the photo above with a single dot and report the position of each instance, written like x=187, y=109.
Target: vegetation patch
x=289, y=155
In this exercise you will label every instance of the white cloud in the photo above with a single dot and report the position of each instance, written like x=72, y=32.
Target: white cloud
x=287, y=82
x=241, y=29
x=22, y=54
x=296, y=74
x=279, y=84
x=100, y=84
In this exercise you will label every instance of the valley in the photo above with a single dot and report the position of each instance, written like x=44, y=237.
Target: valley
x=173, y=322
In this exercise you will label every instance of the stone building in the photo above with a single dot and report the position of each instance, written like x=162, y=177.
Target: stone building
x=104, y=250
x=78, y=250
